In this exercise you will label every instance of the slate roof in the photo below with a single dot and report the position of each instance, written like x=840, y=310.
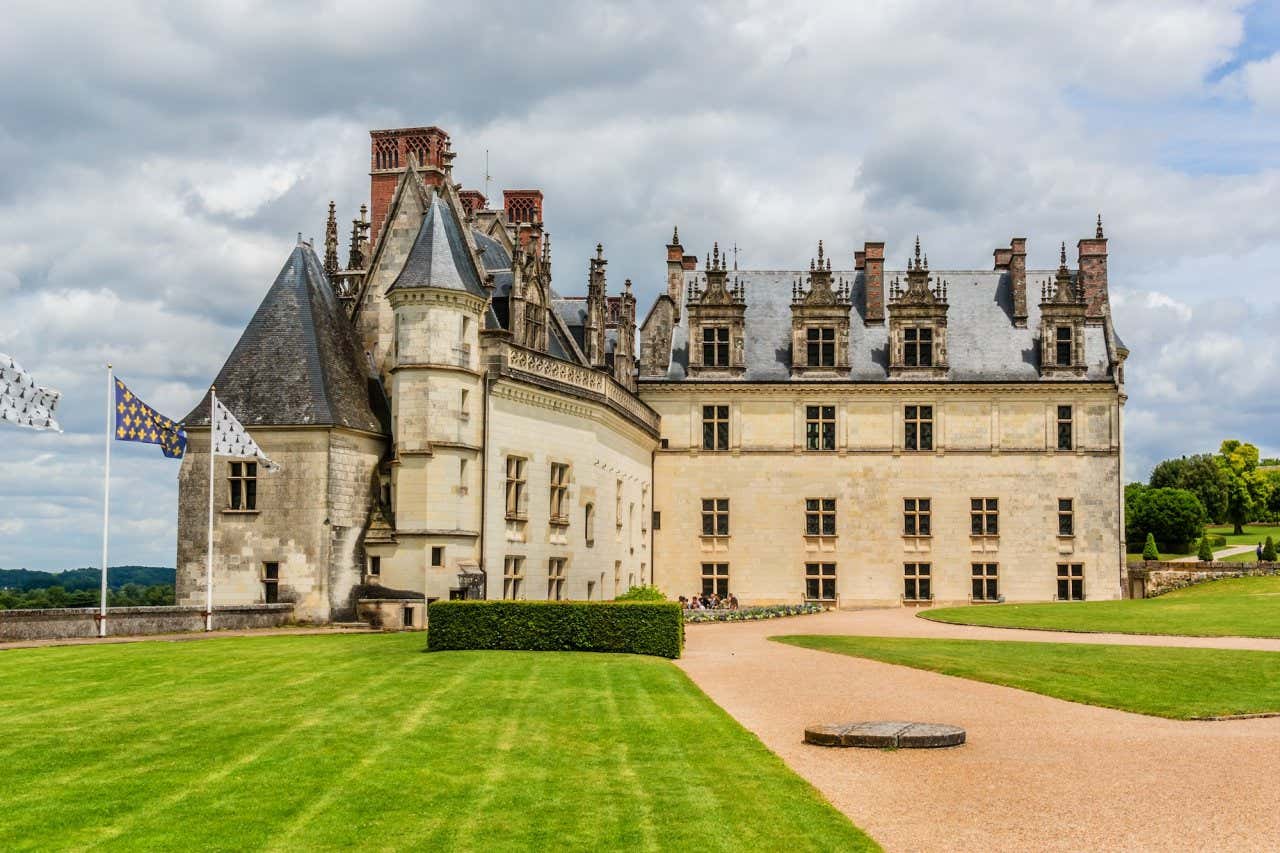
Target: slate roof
x=297, y=362
x=439, y=256
x=982, y=343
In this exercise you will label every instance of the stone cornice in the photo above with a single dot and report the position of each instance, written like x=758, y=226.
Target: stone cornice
x=891, y=390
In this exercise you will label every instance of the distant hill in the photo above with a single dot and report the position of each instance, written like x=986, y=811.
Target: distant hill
x=73, y=579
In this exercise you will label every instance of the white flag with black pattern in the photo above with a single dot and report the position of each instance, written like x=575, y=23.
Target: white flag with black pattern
x=230, y=438
x=23, y=401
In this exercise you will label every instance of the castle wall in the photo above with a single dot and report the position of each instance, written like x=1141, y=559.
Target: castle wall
x=990, y=442
x=309, y=519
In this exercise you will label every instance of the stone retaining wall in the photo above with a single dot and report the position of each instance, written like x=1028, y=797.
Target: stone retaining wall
x=1156, y=577
x=61, y=623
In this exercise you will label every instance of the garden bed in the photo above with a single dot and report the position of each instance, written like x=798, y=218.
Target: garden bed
x=752, y=614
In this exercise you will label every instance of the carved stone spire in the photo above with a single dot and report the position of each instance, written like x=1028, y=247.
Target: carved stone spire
x=1098, y=234
x=331, y=242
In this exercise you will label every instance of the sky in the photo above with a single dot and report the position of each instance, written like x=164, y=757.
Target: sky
x=155, y=175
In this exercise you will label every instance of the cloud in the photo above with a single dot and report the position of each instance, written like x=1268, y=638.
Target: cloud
x=158, y=176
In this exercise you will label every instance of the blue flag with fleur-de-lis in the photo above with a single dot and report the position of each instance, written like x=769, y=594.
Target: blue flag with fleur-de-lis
x=136, y=421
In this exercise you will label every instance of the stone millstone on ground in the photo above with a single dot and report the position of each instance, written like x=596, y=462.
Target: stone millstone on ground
x=885, y=735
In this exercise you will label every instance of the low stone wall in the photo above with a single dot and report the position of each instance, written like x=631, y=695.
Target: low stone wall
x=62, y=623
x=1156, y=577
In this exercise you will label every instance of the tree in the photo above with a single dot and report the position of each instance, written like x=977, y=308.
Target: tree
x=1269, y=551
x=1205, y=552
x=1200, y=475
x=1149, y=550
x=1173, y=516
x=1247, y=488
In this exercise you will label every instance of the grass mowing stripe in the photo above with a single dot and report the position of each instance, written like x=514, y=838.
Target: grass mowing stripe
x=1163, y=681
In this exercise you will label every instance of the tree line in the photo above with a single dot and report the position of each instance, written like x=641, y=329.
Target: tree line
x=129, y=586
x=1233, y=486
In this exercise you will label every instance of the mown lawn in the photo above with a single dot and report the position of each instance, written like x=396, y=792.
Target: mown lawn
x=305, y=743
x=1235, y=607
x=1253, y=533
x=1179, y=683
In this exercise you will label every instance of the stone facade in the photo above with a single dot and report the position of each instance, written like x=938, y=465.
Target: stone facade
x=1152, y=578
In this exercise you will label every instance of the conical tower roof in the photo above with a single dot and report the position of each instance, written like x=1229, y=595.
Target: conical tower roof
x=297, y=362
x=439, y=257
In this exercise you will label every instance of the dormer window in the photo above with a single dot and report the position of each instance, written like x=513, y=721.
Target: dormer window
x=1063, y=339
x=821, y=346
x=917, y=347
x=715, y=346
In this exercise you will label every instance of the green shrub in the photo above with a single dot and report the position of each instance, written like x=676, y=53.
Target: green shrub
x=1149, y=550
x=1268, y=551
x=643, y=628
x=641, y=593
x=1205, y=552
x=1218, y=541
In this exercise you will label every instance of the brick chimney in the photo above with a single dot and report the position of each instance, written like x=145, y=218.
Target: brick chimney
x=472, y=201
x=389, y=155
x=675, y=271
x=689, y=262
x=873, y=276
x=1093, y=274
x=1002, y=257
x=859, y=260
x=1018, y=279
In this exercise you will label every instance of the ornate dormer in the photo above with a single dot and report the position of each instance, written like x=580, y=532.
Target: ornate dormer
x=716, y=324
x=820, y=321
x=597, y=310
x=528, y=304
x=918, y=323
x=1063, y=309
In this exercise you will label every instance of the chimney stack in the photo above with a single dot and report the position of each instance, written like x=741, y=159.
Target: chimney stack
x=873, y=276
x=1002, y=257
x=1093, y=274
x=1018, y=279
x=859, y=260
x=675, y=270
x=390, y=152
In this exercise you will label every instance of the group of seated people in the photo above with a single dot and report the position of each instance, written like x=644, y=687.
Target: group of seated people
x=709, y=602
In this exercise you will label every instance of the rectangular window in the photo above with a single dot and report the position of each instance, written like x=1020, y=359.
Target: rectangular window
x=515, y=488
x=820, y=517
x=820, y=427
x=715, y=516
x=715, y=427
x=617, y=505
x=821, y=346
x=408, y=617
x=1062, y=344
x=464, y=405
x=513, y=578
x=986, y=582
x=243, y=484
x=559, y=494
x=437, y=555
x=715, y=579
x=715, y=346
x=918, y=423
x=1066, y=517
x=917, y=347
x=1070, y=581
x=984, y=517
x=1065, y=439
x=915, y=582
x=820, y=581
x=555, y=579
x=271, y=583
x=917, y=517
x=375, y=566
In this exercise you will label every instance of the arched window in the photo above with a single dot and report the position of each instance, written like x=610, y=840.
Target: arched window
x=589, y=523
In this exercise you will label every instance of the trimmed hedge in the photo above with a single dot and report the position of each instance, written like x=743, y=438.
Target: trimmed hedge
x=642, y=628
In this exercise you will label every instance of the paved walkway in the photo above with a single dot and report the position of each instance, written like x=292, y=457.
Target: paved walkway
x=1218, y=555
x=1037, y=773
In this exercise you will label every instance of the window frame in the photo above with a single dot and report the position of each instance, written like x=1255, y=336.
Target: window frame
x=512, y=577
x=271, y=582
x=823, y=578
x=242, y=486
x=917, y=576
x=984, y=517
x=819, y=427
x=820, y=346
x=715, y=518
x=984, y=582
x=1070, y=578
x=917, y=517
x=556, y=578
x=820, y=517
x=516, y=484
x=715, y=579
x=558, y=494
x=1066, y=517
x=1066, y=440
x=717, y=345
x=915, y=418
x=917, y=346
x=1059, y=342
x=715, y=427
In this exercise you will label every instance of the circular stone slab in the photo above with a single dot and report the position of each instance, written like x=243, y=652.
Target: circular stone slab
x=885, y=735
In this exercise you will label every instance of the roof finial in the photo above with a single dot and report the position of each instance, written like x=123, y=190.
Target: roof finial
x=1062, y=256
x=599, y=251
x=675, y=235
x=1099, y=232
x=715, y=256
x=735, y=256
x=917, y=261
x=627, y=285
x=819, y=253
x=300, y=238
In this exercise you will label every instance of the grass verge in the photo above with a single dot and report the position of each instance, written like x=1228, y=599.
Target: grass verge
x=1178, y=683
x=1233, y=607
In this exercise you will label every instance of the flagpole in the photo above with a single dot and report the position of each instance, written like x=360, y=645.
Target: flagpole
x=208, y=570
x=106, y=509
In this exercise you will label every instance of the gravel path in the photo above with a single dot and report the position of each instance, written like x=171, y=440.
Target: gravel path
x=1037, y=773
x=1218, y=555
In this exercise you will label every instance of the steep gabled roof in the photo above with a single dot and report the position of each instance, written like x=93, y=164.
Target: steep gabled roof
x=297, y=362
x=440, y=257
